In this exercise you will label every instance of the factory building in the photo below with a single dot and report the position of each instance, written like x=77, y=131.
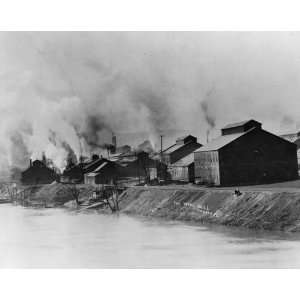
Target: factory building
x=179, y=158
x=184, y=146
x=246, y=154
x=38, y=173
x=134, y=166
x=75, y=173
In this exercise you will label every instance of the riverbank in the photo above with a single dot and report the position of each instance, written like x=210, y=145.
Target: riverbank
x=256, y=209
x=269, y=207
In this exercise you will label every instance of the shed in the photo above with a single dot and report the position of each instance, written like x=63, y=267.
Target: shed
x=183, y=169
x=103, y=174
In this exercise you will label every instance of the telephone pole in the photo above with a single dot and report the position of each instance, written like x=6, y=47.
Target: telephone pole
x=161, y=148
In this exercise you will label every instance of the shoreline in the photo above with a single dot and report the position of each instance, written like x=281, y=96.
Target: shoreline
x=270, y=207
x=266, y=210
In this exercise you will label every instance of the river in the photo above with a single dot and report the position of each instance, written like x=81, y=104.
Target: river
x=60, y=238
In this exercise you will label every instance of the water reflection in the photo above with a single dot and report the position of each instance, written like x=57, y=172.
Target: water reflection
x=66, y=239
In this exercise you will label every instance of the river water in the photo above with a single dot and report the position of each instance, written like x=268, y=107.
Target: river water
x=60, y=238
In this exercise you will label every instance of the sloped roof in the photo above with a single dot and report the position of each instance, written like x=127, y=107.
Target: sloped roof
x=173, y=148
x=291, y=137
x=183, y=137
x=185, y=161
x=97, y=170
x=221, y=141
x=178, y=146
x=100, y=167
x=93, y=162
x=238, y=124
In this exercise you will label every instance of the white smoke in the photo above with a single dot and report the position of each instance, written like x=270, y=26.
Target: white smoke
x=76, y=88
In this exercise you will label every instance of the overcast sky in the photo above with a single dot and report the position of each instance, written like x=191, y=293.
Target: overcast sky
x=74, y=89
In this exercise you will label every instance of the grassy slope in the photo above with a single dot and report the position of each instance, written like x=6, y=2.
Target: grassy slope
x=270, y=210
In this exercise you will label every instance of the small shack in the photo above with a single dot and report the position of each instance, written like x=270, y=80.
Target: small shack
x=38, y=173
x=105, y=173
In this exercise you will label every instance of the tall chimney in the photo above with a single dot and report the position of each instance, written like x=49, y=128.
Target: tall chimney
x=30, y=162
x=114, y=142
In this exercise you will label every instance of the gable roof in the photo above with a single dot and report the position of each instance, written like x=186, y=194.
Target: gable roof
x=97, y=170
x=100, y=167
x=222, y=141
x=238, y=124
x=173, y=148
x=94, y=163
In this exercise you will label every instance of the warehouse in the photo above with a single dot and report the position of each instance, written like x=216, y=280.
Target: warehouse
x=246, y=154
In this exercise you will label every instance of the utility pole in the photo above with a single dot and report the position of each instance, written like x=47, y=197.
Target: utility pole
x=161, y=175
x=161, y=148
x=138, y=166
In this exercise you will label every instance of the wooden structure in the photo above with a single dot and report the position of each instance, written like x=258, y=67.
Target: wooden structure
x=135, y=165
x=184, y=146
x=183, y=169
x=105, y=173
x=179, y=159
x=246, y=154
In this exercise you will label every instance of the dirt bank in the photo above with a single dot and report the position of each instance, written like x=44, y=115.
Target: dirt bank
x=271, y=210
x=56, y=194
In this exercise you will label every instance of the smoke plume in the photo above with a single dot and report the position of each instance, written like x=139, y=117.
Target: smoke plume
x=63, y=94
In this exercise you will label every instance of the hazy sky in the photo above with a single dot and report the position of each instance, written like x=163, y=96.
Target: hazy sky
x=71, y=90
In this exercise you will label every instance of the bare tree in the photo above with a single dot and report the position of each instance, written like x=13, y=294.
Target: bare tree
x=12, y=191
x=110, y=197
x=75, y=192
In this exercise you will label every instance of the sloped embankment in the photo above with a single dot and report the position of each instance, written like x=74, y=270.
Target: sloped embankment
x=253, y=209
x=57, y=194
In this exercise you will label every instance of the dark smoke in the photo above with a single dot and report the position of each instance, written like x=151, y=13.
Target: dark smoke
x=210, y=119
x=92, y=134
x=145, y=147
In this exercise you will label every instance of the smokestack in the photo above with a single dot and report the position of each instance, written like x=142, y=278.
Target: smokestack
x=114, y=143
x=207, y=136
x=30, y=162
x=114, y=140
